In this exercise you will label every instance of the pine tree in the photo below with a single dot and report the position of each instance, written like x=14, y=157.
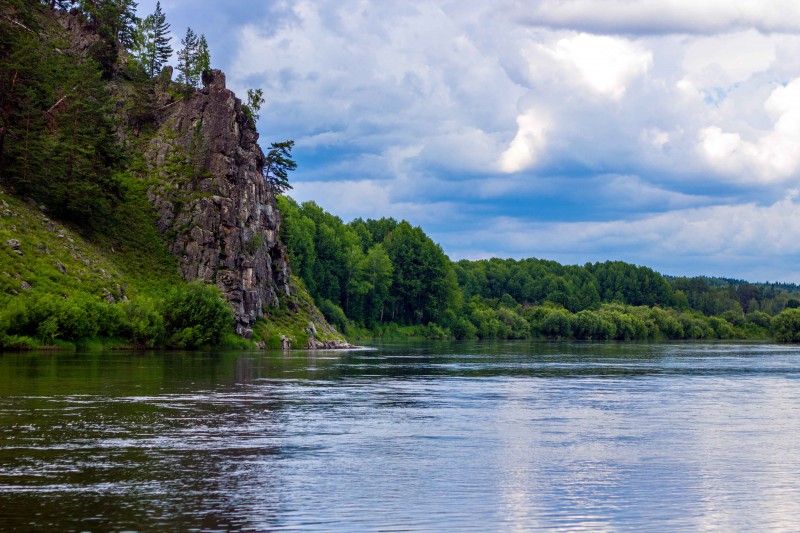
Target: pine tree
x=151, y=41
x=161, y=47
x=126, y=20
x=193, y=58
x=186, y=59
x=202, y=59
x=278, y=165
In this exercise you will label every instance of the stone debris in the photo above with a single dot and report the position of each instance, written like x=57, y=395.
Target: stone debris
x=314, y=344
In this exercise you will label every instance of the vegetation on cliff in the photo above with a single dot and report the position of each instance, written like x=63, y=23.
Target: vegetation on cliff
x=117, y=188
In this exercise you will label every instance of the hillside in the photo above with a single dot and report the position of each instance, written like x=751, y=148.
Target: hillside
x=134, y=206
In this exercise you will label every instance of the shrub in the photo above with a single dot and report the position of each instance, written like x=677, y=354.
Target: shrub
x=195, y=315
x=143, y=324
x=333, y=314
x=463, y=329
x=786, y=326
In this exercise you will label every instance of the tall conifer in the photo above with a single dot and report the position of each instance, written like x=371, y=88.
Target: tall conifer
x=161, y=47
x=186, y=59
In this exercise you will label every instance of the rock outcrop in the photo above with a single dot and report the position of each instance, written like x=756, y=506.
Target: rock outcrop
x=214, y=208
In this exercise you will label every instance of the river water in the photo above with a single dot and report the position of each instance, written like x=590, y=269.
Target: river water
x=507, y=436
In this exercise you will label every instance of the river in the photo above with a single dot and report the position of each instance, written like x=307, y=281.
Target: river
x=501, y=436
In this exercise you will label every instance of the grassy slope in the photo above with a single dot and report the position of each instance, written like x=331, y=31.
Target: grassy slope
x=292, y=320
x=45, y=244
x=128, y=258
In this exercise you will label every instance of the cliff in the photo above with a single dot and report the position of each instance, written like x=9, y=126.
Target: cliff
x=117, y=188
x=214, y=208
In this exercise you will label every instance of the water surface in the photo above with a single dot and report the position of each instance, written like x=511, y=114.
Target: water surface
x=408, y=437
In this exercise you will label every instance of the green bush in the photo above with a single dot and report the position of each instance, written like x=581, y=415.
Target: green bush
x=143, y=324
x=195, y=315
x=786, y=326
x=463, y=329
x=333, y=314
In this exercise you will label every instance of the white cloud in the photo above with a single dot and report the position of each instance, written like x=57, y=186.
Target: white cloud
x=528, y=143
x=684, y=241
x=722, y=60
x=664, y=16
x=774, y=155
x=606, y=64
x=442, y=111
x=373, y=199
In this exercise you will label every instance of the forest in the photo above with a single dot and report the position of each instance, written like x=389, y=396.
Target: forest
x=63, y=115
x=386, y=278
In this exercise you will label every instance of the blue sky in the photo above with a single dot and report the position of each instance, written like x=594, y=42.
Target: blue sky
x=665, y=133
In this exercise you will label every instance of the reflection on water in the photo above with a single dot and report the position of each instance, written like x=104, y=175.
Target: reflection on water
x=446, y=436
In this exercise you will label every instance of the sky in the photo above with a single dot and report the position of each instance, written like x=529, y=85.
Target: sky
x=665, y=133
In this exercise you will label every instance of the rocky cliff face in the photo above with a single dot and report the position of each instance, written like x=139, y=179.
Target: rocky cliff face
x=215, y=210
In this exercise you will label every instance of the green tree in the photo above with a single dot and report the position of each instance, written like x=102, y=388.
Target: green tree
x=786, y=326
x=196, y=315
x=202, y=59
x=376, y=269
x=277, y=166
x=187, y=72
x=255, y=99
x=56, y=110
x=424, y=284
x=151, y=41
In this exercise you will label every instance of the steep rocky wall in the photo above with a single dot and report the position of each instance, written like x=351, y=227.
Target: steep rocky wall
x=214, y=208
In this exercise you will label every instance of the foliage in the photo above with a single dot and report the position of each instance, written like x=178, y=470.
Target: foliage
x=255, y=99
x=151, y=43
x=57, y=140
x=786, y=325
x=195, y=315
x=193, y=58
x=279, y=163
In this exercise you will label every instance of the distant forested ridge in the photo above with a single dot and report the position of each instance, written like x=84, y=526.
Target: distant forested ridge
x=386, y=278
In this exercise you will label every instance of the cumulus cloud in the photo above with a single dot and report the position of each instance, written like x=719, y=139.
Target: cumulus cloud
x=664, y=16
x=527, y=143
x=650, y=119
x=774, y=155
x=683, y=241
x=606, y=64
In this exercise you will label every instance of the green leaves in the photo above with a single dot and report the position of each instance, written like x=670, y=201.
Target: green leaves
x=193, y=59
x=57, y=141
x=279, y=163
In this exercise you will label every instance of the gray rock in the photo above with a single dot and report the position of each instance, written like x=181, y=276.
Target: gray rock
x=214, y=209
x=25, y=286
x=312, y=330
x=13, y=243
x=61, y=268
x=107, y=296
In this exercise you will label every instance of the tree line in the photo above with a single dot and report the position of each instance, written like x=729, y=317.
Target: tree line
x=384, y=277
